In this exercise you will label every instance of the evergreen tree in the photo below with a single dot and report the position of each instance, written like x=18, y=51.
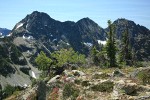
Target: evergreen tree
x=110, y=46
x=94, y=53
x=126, y=51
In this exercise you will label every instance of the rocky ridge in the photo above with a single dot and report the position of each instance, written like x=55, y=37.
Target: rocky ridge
x=109, y=85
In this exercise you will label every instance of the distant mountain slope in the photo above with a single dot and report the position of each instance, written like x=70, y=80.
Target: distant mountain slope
x=55, y=34
x=81, y=35
x=4, y=31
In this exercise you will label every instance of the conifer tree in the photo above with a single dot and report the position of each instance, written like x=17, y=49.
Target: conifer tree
x=110, y=46
x=125, y=52
x=94, y=53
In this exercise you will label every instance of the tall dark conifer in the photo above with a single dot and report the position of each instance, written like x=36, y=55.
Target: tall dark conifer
x=126, y=51
x=110, y=46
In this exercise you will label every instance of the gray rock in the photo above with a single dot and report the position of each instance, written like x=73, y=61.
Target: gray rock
x=130, y=88
x=54, y=79
x=118, y=73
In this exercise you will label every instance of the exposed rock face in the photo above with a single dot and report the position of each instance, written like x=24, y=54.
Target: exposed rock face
x=14, y=68
x=52, y=35
x=55, y=34
x=139, y=37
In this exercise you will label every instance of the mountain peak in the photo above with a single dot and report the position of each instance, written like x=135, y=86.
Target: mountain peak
x=86, y=20
x=37, y=13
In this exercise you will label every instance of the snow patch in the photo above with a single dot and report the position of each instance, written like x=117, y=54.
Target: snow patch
x=101, y=42
x=67, y=43
x=26, y=26
x=9, y=35
x=1, y=34
x=25, y=85
x=27, y=37
x=54, y=40
x=88, y=44
x=23, y=37
x=19, y=25
x=33, y=75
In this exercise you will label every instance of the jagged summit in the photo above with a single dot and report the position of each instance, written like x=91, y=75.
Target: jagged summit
x=80, y=35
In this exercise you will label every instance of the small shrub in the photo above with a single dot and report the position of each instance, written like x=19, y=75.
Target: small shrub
x=139, y=64
x=85, y=83
x=77, y=81
x=25, y=70
x=54, y=94
x=100, y=76
x=76, y=74
x=103, y=87
x=9, y=90
x=144, y=76
x=34, y=81
x=70, y=91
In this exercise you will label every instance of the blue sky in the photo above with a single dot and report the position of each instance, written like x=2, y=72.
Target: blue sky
x=12, y=11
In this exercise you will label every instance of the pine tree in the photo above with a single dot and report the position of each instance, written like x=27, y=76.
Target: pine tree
x=110, y=46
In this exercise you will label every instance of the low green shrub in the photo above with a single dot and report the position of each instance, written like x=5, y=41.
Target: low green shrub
x=144, y=76
x=77, y=81
x=101, y=76
x=85, y=83
x=103, y=87
x=9, y=90
x=69, y=90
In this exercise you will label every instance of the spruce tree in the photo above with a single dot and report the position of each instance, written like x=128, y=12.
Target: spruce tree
x=110, y=46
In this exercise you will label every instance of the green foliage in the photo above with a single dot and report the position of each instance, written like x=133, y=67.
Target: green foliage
x=94, y=56
x=77, y=81
x=111, y=46
x=138, y=64
x=144, y=76
x=15, y=55
x=126, y=53
x=68, y=56
x=41, y=90
x=43, y=61
x=85, y=83
x=103, y=87
x=25, y=70
x=100, y=76
x=70, y=91
x=8, y=90
x=5, y=67
x=99, y=57
x=103, y=62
